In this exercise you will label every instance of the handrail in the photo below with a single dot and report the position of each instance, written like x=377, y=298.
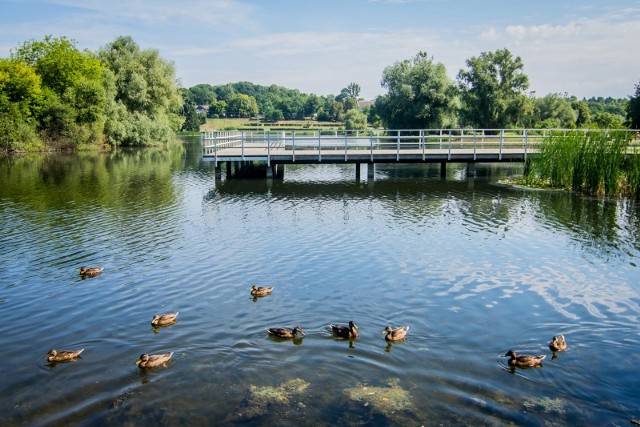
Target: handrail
x=398, y=142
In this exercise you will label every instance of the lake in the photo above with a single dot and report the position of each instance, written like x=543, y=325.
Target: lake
x=473, y=267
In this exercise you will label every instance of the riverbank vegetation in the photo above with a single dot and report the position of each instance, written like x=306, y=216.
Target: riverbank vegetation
x=54, y=96
x=596, y=162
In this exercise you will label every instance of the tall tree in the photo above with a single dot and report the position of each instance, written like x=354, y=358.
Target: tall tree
x=493, y=90
x=420, y=95
x=633, y=109
x=145, y=92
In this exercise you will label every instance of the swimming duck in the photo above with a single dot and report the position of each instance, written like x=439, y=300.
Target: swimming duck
x=286, y=332
x=151, y=361
x=63, y=356
x=524, y=360
x=164, y=319
x=90, y=271
x=261, y=291
x=343, y=331
x=395, y=334
x=558, y=343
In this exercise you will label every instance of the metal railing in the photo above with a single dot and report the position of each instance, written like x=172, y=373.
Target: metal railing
x=265, y=144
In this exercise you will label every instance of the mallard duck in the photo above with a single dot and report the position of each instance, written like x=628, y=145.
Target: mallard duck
x=151, y=361
x=63, y=356
x=286, y=332
x=164, y=319
x=261, y=291
x=90, y=271
x=524, y=360
x=558, y=343
x=344, y=331
x=395, y=334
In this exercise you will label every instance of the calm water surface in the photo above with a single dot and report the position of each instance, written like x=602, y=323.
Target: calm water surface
x=474, y=268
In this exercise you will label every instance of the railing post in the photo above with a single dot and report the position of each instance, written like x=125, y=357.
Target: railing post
x=319, y=147
x=215, y=149
x=449, y=155
x=371, y=144
x=268, y=149
x=501, y=142
x=526, y=143
x=423, y=142
x=293, y=146
x=398, y=147
x=242, y=144
x=475, y=144
x=345, y=145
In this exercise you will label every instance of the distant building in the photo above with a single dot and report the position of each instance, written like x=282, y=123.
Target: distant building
x=364, y=104
x=202, y=109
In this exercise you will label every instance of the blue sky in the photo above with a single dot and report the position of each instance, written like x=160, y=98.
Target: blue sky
x=582, y=47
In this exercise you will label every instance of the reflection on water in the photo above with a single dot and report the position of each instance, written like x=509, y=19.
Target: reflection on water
x=475, y=269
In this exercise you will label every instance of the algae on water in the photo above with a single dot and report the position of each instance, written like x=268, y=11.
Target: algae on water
x=546, y=404
x=385, y=400
x=261, y=398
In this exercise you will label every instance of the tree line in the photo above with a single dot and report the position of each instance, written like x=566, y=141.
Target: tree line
x=491, y=93
x=56, y=96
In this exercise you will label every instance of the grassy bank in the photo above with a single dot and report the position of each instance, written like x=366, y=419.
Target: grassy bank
x=597, y=163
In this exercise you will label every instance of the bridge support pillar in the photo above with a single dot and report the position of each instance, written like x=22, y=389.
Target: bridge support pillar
x=471, y=169
x=357, y=172
x=371, y=170
x=218, y=171
x=443, y=169
x=227, y=167
x=270, y=171
x=278, y=172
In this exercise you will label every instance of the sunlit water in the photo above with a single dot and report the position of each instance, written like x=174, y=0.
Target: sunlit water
x=473, y=267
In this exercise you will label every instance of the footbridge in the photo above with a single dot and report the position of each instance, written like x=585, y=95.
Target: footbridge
x=274, y=148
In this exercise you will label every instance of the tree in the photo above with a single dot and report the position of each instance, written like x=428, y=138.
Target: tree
x=145, y=95
x=584, y=116
x=554, y=111
x=608, y=121
x=243, y=105
x=355, y=119
x=72, y=110
x=493, y=90
x=420, y=95
x=633, y=109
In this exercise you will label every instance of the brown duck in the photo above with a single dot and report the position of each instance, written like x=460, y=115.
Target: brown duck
x=558, y=343
x=343, y=331
x=286, y=332
x=164, y=319
x=90, y=271
x=151, y=361
x=395, y=334
x=524, y=360
x=63, y=356
x=261, y=291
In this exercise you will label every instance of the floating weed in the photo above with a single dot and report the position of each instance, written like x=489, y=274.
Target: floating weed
x=546, y=404
x=385, y=400
x=261, y=398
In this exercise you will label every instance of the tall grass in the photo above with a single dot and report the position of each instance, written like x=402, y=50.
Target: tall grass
x=594, y=162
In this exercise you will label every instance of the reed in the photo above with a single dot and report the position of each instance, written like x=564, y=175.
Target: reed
x=594, y=162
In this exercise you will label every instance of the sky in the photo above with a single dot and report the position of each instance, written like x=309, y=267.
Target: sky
x=582, y=48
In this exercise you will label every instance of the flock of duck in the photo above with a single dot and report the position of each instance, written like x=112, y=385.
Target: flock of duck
x=350, y=331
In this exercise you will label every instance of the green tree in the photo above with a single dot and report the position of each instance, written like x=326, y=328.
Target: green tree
x=145, y=93
x=419, y=95
x=355, y=119
x=633, y=109
x=72, y=111
x=608, y=121
x=554, y=111
x=493, y=90
x=584, y=116
x=242, y=105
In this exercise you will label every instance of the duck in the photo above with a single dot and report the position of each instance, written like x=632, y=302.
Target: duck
x=286, y=332
x=395, y=334
x=164, y=319
x=90, y=271
x=524, y=360
x=151, y=361
x=558, y=343
x=63, y=356
x=261, y=291
x=343, y=331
